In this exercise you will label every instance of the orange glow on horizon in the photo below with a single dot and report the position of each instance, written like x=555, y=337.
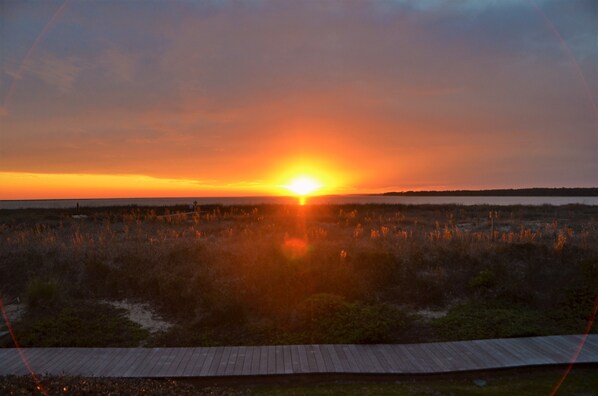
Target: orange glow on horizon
x=19, y=186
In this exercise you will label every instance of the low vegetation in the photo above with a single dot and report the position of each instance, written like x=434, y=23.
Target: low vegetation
x=271, y=274
x=580, y=381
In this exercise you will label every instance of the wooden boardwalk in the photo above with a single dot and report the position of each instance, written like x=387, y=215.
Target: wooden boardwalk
x=428, y=358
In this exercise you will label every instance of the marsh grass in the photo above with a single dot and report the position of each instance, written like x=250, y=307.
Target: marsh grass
x=230, y=275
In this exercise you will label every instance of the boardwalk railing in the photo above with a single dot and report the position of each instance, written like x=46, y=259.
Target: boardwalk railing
x=443, y=357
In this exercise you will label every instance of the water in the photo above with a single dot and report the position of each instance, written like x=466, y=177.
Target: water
x=331, y=199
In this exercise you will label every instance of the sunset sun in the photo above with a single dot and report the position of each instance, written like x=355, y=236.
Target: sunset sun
x=303, y=186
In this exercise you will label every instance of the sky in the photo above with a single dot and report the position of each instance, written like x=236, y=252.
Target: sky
x=233, y=98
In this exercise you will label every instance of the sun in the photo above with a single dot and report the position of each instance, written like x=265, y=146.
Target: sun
x=303, y=185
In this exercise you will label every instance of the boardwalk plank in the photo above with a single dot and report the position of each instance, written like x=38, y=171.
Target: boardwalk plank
x=342, y=358
x=289, y=359
x=417, y=362
x=12, y=359
x=382, y=360
x=279, y=360
x=128, y=360
x=321, y=363
x=311, y=359
x=303, y=359
x=240, y=365
x=255, y=360
x=361, y=359
x=207, y=363
x=232, y=361
x=295, y=359
x=188, y=370
x=37, y=364
x=327, y=358
x=215, y=366
x=271, y=359
x=485, y=350
x=199, y=357
x=288, y=362
x=184, y=361
x=263, y=360
x=336, y=362
x=223, y=361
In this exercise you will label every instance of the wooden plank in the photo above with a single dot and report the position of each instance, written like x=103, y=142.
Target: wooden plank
x=240, y=364
x=447, y=355
x=184, y=361
x=214, y=367
x=231, y=362
x=336, y=361
x=395, y=361
x=289, y=359
x=547, y=349
x=111, y=369
x=295, y=359
x=410, y=352
x=400, y=357
x=361, y=359
x=134, y=369
x=532, y=357
x=319, y=359
x=303, y=359
x=12, y=360
x=191, y=362
x=205, y=367
x=339, y=350
x=384, y=363
x=66, y=356
x=461, y=360
x=279, y=359
x=485, y=350
x=38, y=364
x=513, y=357
x=263, y=368
x=125, y=362
x=223, y=361
x=311, y=358
x=473, y=354
x=271, y=356
x=255, y=360
x=327, y=358
x=199, y=357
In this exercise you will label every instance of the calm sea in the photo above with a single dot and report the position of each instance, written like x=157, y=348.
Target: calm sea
x=335, y=199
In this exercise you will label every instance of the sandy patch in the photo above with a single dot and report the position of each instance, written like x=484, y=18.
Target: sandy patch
x=142, y=314
x=429, y=314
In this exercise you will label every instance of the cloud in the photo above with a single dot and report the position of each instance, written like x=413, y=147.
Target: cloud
x=228, y=90
x=60, y=73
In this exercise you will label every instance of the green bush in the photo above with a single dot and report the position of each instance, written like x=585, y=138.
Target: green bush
x=483, y=320
x=42, y=294
x=79, y=325
x=328, y=318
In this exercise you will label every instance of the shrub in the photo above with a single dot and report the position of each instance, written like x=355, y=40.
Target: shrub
x=42, y=293
x=79, y=325
x=330, y=319
x=483, y=320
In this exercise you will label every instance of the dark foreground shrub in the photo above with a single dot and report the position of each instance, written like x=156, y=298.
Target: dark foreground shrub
x=326, y=318
x=42, y=294
x=479, y=320
x=79, y=325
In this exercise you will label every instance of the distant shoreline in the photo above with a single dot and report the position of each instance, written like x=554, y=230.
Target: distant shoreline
x=507, y=192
